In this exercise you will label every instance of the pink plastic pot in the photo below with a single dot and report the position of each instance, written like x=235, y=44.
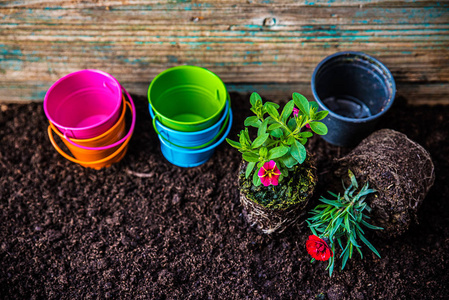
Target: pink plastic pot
x=84, y=104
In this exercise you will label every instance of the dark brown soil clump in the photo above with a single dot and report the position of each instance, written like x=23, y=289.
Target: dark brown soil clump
x=399, y=169
x=145, y=229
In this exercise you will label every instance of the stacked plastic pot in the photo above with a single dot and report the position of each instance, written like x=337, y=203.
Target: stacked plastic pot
x=191, y=113
x=87, y=111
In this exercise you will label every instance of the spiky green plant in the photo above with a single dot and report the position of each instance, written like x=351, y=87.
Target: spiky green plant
x=340, y=220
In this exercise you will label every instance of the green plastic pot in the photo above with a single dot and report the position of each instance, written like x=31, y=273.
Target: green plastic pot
x=187, y=98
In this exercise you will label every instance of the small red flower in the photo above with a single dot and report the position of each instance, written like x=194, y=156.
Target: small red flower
x=318, y=248
x=269, y=173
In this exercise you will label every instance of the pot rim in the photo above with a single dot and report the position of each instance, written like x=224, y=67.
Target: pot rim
x=365, y=58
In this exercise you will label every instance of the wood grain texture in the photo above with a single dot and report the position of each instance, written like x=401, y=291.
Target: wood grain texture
x=267, y=46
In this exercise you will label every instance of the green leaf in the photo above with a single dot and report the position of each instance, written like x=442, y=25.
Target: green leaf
x=250, y=121
x=277, y=152
x=344, y=250
x=291, y=140
x=320, y=115
x=287, y=111
x=274, y=126
x=256, y=179
x=318, y=128
x=353, y=179
x=360, y=252
x=333, y=194
x=302, y=103
x=311, y=228
x=289, y=161
x=291, y=124
x=298, y=151
x=257, y=124
x=277, y=133
x=339, y=242
x=254, y=98
x=314, y=104
x=260, y=140
x=331, y=264
x=276, y=106
x=305, y=134
x=368, y=244
x=366, y=224
x=345, y=259
x=302, y=141
x=366, y=192
x=234, y=144
x=358, y=226
x=335, y=226
x=242, y=139
x=254, y=110
x=250, y=157
x=347, y=225
x=246, y=133
x=272, y=111
x=263, y=152
x=263, y=128
x=352, y=239
x=332, y=202
x=249, y=169
x=271, y=120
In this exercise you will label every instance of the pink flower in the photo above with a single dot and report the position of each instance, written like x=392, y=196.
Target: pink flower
x=295, y=112
x=269, y=173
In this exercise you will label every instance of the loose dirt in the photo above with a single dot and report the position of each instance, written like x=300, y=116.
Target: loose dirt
x=145, y=229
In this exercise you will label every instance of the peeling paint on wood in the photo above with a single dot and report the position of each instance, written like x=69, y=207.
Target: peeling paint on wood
x=265, y=46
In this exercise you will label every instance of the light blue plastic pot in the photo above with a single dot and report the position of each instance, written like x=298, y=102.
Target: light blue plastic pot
x=193, y=139
x=188, y=158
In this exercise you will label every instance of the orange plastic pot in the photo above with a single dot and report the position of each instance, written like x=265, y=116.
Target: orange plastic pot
x=95, y=159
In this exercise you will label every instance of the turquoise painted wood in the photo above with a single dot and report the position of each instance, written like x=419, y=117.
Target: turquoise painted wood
x=270, y=47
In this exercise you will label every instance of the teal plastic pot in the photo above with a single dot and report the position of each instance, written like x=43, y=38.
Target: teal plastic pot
x=192, y=139
x=187, y=98
x=188, y=158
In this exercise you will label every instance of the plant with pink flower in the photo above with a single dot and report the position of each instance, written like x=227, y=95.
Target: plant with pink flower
x=280, y=137
x=277, y=177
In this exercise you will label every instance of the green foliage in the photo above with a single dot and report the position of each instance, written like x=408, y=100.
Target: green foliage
x=341, y=220
x=280, y=134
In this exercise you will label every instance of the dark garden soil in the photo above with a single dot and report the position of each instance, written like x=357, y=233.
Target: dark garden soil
x=145, y=229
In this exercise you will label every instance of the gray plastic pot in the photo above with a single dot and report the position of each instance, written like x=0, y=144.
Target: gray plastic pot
x=357, y=90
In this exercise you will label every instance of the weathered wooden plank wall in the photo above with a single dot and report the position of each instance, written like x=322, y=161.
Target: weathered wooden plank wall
x=267, y=46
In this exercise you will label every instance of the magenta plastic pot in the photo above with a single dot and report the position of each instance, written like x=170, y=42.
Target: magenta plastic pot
x=84, y=104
